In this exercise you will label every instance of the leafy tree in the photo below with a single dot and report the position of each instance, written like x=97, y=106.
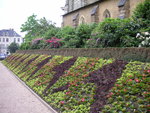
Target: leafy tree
x=51, y=32
x=30, y=27
x=67, y=34
x=142, y=15
x=13, y=47
x=37, y=27
x=25, y=46
x=83, y=33
x=116, y=33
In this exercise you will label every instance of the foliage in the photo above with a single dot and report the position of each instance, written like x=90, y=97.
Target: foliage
x=142, y=15
x=84, y=84
x=13, y=47
x=59, y=70
x=130, y=93
x=54, y=42
x=90, y=43
x=67, y=34
x=116, y=33
x=37, y=43
x=104, y=79
x=51, y=32
x=25, y=46
x=75, y=37
x=37, y=27
x=83, y=33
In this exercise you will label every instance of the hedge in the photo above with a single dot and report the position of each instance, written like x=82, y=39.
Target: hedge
x=127, y=54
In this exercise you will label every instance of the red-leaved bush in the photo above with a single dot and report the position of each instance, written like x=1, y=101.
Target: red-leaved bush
x=54, y=42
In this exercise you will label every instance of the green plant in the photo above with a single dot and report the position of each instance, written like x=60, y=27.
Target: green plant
x=141, y=15
x=116, y=33
x=130, y=93
x=77, y=86
x=13, y=47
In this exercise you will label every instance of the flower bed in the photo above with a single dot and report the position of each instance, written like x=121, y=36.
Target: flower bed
x=83, y=84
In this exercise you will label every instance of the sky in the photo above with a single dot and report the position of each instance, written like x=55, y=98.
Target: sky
x=14, y=13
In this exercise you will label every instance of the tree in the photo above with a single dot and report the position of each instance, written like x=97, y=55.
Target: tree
x=36, y=27
x=30, y=27
x=142, y=15
x=13, y=47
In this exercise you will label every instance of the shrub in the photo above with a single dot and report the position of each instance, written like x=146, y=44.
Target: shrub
x=51, y=32
x=25, y=46
x=13, y=47
x=142, y=15
x=37, y=43
x=116, y=33
x=54, y=42
x=83, y=33
x=66, y=33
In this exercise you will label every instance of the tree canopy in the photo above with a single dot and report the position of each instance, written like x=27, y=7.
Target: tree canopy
x=36, y=27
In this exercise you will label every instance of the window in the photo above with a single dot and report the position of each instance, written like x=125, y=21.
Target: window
x=18, y=39
x=106, y=14
x=7, y=34
x=2, y=46
x=3, y=33
x=3, y=39
x=94, y=14
x=94, y=10
x=75, y=20
x=7, y=40
x=14, y=39
x=82, y=20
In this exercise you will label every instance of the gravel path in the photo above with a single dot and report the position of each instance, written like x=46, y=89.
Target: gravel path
x=15, y=97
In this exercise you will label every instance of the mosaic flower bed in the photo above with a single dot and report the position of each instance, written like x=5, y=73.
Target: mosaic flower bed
x=83, y=84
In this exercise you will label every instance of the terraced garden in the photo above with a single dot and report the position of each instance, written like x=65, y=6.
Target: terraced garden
x=84, y=84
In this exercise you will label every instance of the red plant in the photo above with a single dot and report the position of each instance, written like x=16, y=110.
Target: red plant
x=54, y=42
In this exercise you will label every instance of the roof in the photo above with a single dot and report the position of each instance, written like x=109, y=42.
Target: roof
x=9, y=33
x=121, y=3
x=87, y=5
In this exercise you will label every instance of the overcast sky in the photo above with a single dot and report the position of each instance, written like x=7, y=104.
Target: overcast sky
x=13, y=13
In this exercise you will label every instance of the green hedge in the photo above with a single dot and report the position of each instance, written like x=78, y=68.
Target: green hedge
x=128, y=54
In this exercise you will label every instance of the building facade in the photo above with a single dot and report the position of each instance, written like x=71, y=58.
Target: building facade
x=8, y=36
x=89, y=11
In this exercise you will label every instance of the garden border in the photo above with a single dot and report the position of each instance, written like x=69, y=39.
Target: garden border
x=36, y=95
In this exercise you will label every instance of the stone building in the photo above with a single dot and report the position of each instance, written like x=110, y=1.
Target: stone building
x=88, y=11
x=7, y=36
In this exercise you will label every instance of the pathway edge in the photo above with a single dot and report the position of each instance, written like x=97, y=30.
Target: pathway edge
x=36, y=95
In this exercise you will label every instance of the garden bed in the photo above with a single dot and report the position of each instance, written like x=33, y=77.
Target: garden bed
x=85, y=84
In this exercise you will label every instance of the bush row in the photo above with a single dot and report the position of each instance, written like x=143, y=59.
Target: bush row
x=84, y=84
x=127, y=54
